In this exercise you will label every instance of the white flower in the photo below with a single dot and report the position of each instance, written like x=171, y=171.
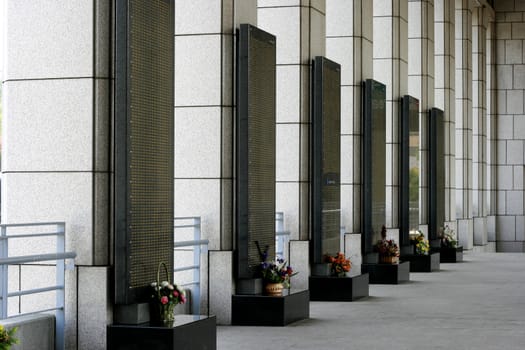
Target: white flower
x=164, y=284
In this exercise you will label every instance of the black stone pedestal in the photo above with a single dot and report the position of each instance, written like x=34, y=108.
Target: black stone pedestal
x=261, y=310
x=387, y=273
x=328, y=288
x=423, y=263
x=451, y=255
x=190, y=332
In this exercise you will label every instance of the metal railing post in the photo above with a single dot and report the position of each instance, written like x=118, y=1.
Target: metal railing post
x=4, y=269
x=197, y=251
x=342, y=239
x=196, y=298
x=282, y=237
x=60, y=292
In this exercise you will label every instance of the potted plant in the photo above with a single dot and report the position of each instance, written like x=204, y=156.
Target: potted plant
x=387, y=249
x=7, y=337
x=165, y=297
x=276, y=274
x=339, y=265
x=420, y=243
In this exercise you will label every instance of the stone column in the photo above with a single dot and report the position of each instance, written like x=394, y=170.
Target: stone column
x=349, y=42
x=204, y=113
x=56, y=163
x=300, y=31
x=491, y=123
x=479, y=126
x=464, y=174
x=445, y=75
x=421, y=85
x=390, y=67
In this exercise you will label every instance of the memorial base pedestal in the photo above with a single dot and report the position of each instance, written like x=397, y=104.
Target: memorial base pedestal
x=191, y=332
x=261, y=310
x=328, y=288
x=423, y=263
x=451, y=255
x=387, y=273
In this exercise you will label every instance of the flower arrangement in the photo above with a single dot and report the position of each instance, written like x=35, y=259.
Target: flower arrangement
x=339, y=265
x=166, y=296
x=7, y=337
x=386, y=247
x=276, y=271
x=420, y=242
x=448, y=238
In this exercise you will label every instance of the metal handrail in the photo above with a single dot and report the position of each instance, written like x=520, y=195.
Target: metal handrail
x=196, y=243
x=60, y=257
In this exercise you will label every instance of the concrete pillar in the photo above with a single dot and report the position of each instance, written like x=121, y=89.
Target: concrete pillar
x=300, y=30
x=421, y=83
x=204, y=114
x=445, y=73
x=56, y=163
x=390, y=56
x=479, y=126
x=464, y=175
x=349, y=42
x=491, y=123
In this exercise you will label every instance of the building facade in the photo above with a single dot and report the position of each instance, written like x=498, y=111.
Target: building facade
x=465, y=57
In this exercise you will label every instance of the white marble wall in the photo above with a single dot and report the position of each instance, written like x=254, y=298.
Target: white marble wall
x=390, y=59
x=510, y=82
x=349, y=37
x=421, y=83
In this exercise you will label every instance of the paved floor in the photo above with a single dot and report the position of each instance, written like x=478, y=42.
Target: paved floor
x=477, y=304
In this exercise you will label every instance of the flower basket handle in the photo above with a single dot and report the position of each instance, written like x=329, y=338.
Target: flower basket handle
x=165, y=270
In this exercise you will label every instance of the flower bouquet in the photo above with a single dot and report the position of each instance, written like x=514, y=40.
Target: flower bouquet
x=7, y=338
x=276, y=274
x=165, y=297
x=387, y=248
x=339, y=265
x=421, y=244
x=448, y=238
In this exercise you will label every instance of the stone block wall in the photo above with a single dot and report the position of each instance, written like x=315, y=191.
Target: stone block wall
x=510, y=137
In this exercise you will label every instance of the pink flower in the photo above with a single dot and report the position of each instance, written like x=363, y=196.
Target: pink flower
x=164, y=300
x=175, y=293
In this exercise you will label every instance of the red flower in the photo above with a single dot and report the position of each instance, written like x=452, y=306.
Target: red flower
x=164, y=300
